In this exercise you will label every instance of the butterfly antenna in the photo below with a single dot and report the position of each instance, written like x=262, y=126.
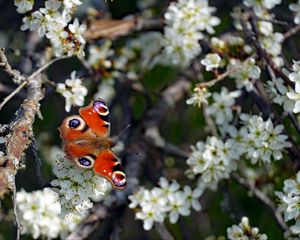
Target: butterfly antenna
x=124, y=130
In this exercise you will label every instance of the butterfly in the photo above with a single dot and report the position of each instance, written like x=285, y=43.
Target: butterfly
x=86, y=142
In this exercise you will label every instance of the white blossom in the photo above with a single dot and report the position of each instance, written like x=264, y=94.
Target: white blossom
x=294, y=94
x=39, y=214
x=262, y=141
x=51, y=21
x=214, y=160
x=244, y=72
x=289, y=202
x=24, y=6
x=278, y=93
x=295, y=7
x=199, y=97
x=221, y=108
x=76, y=187
x=164, y=201
x=73, y=91
x=260, y=5
x=211, y=61
x=244, y=231
x=185, y=23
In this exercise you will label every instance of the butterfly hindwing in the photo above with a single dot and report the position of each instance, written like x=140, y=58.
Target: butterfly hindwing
x=108, y=166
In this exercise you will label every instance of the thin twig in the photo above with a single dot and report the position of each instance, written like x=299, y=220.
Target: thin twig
x=252, y=36
x=291, y=32
x=264, y=199
x=219, y=78
x=13, y=198
x=163, y=231
x=12, y=94
x=8, y=69
x=45, y=66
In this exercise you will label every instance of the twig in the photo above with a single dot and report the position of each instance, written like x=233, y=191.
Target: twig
x=291, y=32
x=264, y=199
x=45, y=66
x=12, y=94
x=8, y=69
x=253, y=39
x=218, y=78
x=163, y=231
x=13, y=72
x=13, y=198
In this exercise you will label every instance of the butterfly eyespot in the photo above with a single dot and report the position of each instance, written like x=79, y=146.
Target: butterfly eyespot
x=119, y=179
x=100, y=107
x=86, y=162
x=75, y=122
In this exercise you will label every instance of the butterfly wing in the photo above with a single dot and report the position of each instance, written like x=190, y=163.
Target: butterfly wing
x=78, y=141
x=96, y=116
x=107, y=165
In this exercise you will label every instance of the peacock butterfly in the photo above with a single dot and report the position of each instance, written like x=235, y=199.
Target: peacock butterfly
x=86, y=142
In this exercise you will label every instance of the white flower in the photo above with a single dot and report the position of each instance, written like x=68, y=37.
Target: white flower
x=262, y=140
x=39, y=213
x=177, y=206
x=295, y=94
x=98, y=56
x=214, y=160
x=273, y=45
x=211, y=61
x=278, y=93
x=243, y=72
x=167, y=200
x=185, y=22
x=193, y=196
x=260, y=5
x=24, y=5
x=76, y=188
x=295, y=7
x=199, y=96
x=73, y=91
x=221, y=108
x=244, y=231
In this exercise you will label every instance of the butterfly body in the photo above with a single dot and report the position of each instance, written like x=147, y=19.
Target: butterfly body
x=86, y=142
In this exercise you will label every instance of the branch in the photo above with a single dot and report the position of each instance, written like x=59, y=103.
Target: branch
x=291, y=32
x=264, y=55
x=264, y=199
x=4, y=64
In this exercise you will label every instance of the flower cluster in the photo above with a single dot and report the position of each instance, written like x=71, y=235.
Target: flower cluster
x=295, y=94
x=54, y=22
x=166, y=200
x=257, y=140
x=243, y=72
x=73, y=91
x=214, y=160
x=76, y=187
x=221, y=108
x=244, y=231
x=289, y=202
x=260, y=140
x=39, y=214
x=185, y=22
